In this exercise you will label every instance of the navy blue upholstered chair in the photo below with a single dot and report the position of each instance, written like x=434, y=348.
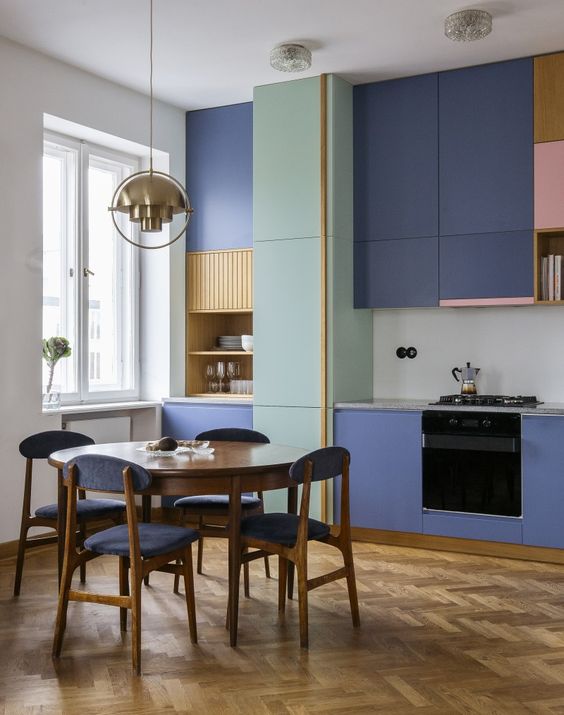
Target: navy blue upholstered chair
x=141, y=548
x=288, y=534
x=211, y=508
x=40, y=446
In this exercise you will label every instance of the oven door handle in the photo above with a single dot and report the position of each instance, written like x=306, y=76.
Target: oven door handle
x=472, y=443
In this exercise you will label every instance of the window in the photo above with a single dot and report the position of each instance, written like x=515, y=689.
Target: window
x=90, y=274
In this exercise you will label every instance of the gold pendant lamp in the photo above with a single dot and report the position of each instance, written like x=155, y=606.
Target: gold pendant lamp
x=151, y=198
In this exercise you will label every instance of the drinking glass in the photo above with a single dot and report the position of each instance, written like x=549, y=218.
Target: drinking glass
x=211, y=381
x=233, y=372
x=220, y=374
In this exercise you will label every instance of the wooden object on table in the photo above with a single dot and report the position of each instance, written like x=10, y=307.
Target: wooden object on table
x=549, y=98
x=218, y=302
x=137, y=555
x=288, y=537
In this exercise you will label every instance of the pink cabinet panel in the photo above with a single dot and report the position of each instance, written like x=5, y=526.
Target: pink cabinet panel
x=549, y=185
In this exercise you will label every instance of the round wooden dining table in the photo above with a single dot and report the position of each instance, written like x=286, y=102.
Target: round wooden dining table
x=232, y=469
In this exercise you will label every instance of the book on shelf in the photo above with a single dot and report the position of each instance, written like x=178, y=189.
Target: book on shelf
x=551, y=278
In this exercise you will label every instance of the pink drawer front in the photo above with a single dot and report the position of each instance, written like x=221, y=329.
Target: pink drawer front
x=549, y=185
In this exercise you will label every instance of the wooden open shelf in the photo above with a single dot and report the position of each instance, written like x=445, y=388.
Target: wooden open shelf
x=218, y=302
x=546, y=241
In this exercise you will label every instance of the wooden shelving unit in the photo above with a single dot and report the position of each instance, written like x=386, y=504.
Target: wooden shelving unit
x=546, y=241
x=219, y=302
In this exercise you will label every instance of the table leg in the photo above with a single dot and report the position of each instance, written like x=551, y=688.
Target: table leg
x=62, y=497
x=292, y=509
x=234, y=534
x=146, y=516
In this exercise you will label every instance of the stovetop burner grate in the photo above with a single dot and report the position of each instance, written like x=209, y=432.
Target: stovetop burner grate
x=494, y=400
x=485, y=400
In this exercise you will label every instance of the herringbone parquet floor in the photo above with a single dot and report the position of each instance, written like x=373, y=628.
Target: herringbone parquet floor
x=441, y=633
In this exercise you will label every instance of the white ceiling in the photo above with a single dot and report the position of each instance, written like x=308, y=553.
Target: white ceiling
x=213, y=52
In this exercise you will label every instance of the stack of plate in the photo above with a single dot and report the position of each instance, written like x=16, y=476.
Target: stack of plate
x=229, y=342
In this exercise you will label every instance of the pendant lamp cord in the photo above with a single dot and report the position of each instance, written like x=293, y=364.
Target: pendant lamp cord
x=151, y=92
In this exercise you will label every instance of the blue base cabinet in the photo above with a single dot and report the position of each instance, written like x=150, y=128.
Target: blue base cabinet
x=542, y=444
x=385, y=473
x=473, y=526
x=184, y=420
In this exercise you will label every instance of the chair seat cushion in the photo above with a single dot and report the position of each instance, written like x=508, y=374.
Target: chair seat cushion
x=216, y=502
x=154, y=539
x=85, y=509
x=280, y=528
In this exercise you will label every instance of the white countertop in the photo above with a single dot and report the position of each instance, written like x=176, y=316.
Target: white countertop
x=546, y=408
x=242, y=400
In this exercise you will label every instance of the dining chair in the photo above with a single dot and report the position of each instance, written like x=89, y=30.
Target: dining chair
x=208, y=509
x=141, y=548
x=288, y=534
x=40, y=446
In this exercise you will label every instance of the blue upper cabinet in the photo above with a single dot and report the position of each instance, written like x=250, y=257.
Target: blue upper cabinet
x=396, y=274
x=219, y=177
x=486, y=149
x=395, y=159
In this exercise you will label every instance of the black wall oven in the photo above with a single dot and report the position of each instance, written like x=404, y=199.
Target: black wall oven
x=472, y=462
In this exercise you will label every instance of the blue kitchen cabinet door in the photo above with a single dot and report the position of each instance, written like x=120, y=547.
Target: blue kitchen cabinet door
x=395, y=159
x=487, y=265
x=486, y=148
x=542, y=445
x=397, y=273
x=385, y=470
x=184, y=420
x=473, y=526
x=219, y=177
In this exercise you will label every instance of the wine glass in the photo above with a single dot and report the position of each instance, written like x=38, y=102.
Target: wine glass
x=211, y=381
x=220, y=374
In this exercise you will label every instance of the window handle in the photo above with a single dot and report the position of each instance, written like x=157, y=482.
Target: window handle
x=87, y=272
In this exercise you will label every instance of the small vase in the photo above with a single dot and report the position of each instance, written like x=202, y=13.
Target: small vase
x=51, y=399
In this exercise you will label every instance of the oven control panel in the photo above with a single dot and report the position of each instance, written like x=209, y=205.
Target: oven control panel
x=471, y=423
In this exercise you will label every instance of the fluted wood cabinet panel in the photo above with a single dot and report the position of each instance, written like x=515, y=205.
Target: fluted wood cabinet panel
x=220, y=280
x=549, y=98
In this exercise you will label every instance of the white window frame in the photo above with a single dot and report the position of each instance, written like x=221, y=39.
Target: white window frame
x=128, y=356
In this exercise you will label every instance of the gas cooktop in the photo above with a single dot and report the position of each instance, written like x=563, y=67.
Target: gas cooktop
x=493, y=400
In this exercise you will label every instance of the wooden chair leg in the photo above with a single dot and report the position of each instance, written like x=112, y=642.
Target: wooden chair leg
x=266, y=567
x=61, y=621
x=82, y=531
x=176, y=580
x=190, y=597
x=291, y=570
x=146, y=507
x=123, y=590
x=200, y=547
x=351, y=585
x=302, y=602
x=246, y=587
x=20, y=559
x=282, y=580
x=136, y=625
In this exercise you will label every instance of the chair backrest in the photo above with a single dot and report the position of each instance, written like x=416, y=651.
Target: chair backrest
x=234, y=434
x=42, y=444
x=103, y=473
x=327, y=463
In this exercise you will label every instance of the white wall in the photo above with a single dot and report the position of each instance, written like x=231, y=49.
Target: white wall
x=520, y=350
x=32, y=84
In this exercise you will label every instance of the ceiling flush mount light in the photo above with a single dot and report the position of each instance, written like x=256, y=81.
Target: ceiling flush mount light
x=468, y=25
x=151, y=198
x=290, y=58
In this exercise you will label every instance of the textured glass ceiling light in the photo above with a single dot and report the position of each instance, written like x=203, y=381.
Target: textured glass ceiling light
x=468, y=25
x=151, y=198
x=290, y=58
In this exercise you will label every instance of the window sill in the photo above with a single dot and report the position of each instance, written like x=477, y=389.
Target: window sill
x=103, y=407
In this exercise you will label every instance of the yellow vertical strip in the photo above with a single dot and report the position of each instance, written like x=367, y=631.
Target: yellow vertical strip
x=323, y=235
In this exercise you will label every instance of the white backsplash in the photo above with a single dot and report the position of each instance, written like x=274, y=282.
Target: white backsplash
x=520, y=350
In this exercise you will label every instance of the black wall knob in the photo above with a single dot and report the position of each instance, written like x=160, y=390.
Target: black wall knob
x=401, y=353
x=411, y=353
